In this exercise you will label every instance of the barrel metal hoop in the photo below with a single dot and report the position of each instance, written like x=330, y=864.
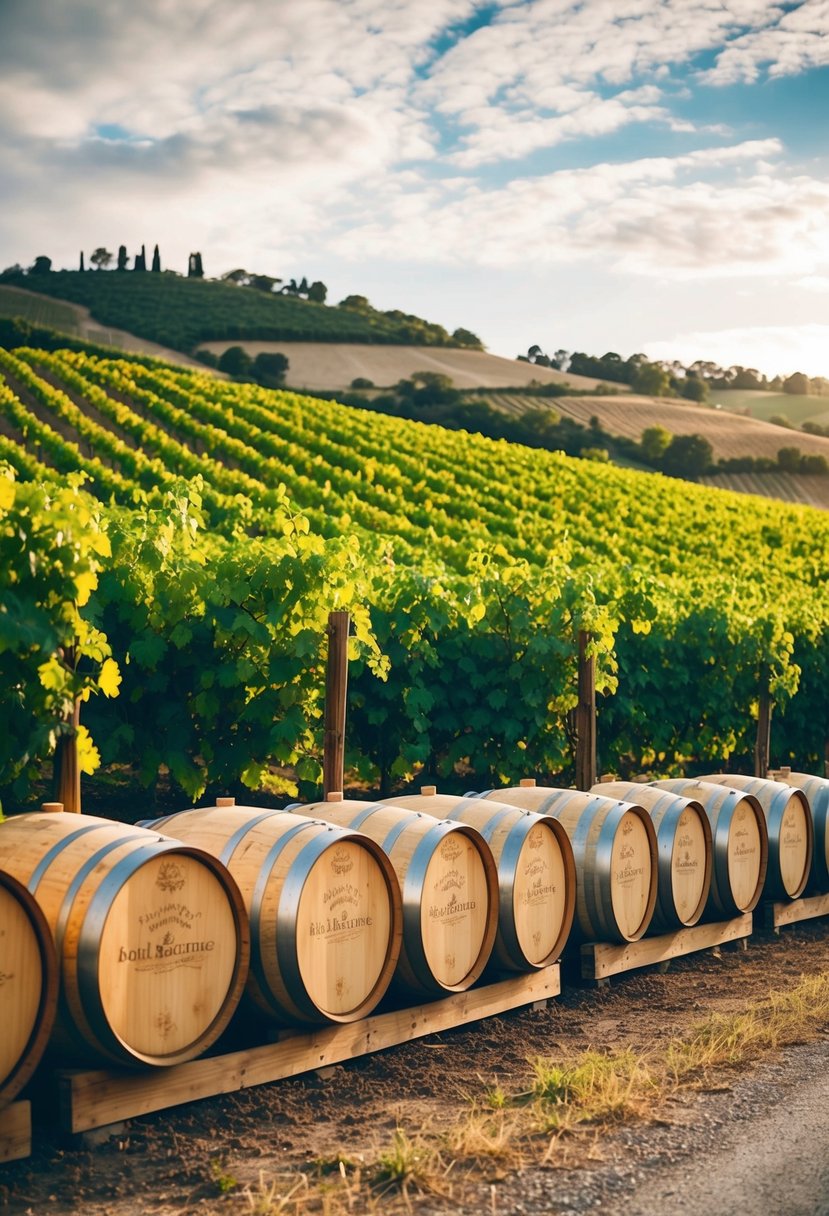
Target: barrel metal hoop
x=58, y=847
x=603, y=871
x=396, y=832
x=257, y=964
x=412, y=893
x=366, y=813
x=238, y=836
x=489, y=828
x=507, y=866
x=286, y=924
x=76, y=884
x=89, y=945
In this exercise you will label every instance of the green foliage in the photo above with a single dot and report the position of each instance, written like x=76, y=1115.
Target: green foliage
x=235, y=361
x=688, y=456
x=654, y=443
x=238, y=517
x=53, y=545
x=182, y=313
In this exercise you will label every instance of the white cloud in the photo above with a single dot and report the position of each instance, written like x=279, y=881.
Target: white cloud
x=799, y=40
x=774, y=349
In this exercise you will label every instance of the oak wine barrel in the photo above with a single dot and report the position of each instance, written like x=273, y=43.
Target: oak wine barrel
x=740, y=836
x=816, y=790
x=683, y=835
x=28, y=986
x=449, y=886
x=536, y=874
x=324, y=906
x=151, y=935
x=615, y=851
x=790, y=828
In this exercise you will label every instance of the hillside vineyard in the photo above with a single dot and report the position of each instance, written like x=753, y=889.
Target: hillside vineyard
x=236, y=518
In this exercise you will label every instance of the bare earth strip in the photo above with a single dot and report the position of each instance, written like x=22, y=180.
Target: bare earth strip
x=331, y=366
x=75, y=320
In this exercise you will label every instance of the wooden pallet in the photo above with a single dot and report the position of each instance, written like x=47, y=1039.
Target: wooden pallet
x=793, y=910
x=15, y=1131
x=96, y=1099
x=599, y=960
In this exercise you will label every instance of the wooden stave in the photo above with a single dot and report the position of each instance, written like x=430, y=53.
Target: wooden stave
x=293, y=1002
x=602, y=924
x=666, y=812
x=30, y=1057
x=81, y=1026
x=721, y=901
x=413, y=971
x=774, y=797
x=507, y=952
x=816, y=790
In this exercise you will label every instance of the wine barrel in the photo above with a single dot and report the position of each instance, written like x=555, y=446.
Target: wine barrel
x=816, y=790
x=449, y=885
x=683, y=836
x=152, y=938
x=790, y=828
x=741, y=847
x=615, y=850
x=28, y=986
x=536, y=874
x=324, y=906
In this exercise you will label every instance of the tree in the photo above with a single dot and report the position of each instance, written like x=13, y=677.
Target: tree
x=239, y=277
x=650, y=379
x=235, y=361
x=688, y=456
x=797, y=384
x=81, y=267
x=195, y=269
x=788, y=460
x=654, y=443
x=122, y=258
x=140, y=261
x=156, y=261
x=355, y=304
x=269, y=368
x=694, y=389
x=41, y=265
x=303, y=287
x=317, y=292
x=263, y=282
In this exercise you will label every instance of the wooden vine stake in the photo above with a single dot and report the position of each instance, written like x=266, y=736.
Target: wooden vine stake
x=762, y=748
x=586, y=717
x=67, y=769
x=336, y=685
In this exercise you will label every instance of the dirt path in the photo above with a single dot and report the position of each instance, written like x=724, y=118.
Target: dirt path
x=176, y=1161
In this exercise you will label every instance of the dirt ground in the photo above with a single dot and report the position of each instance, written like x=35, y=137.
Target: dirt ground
x=182, y=1160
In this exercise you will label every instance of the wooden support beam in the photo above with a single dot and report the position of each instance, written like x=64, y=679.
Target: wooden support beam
x=16, y=1131
x=95, y=1099
x=586, y=717
x=762, y=748
x=790, y=911
x=601, y=959
x=336, y=687
x=67, y=769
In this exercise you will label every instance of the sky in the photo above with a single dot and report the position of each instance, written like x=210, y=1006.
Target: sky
x=628, y=175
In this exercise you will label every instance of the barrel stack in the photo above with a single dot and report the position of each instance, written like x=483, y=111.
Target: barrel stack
x=324, y=906
x=740, y=840
x=615, y=851
x=790, y=829
x=151, y=936
x=536, y=874
x=684, y=840
x=449, y=886
x=28, y=986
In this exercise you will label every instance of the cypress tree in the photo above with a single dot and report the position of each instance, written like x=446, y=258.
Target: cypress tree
x=156, y=261
x=122, y=258
x=82, y=268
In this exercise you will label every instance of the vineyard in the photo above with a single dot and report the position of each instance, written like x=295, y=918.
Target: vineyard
x=183, y=313
x=171, y=546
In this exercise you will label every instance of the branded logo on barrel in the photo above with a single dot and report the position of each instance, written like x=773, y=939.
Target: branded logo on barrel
x=170, y=877
x=450, y=850
x=341, y=861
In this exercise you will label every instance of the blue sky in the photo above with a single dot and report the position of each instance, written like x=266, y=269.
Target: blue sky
x=601, y=174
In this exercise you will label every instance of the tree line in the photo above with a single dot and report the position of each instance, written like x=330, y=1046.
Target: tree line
x=694, y=381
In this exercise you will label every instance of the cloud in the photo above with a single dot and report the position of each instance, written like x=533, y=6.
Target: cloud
x=708, y=214
x=775, y=349
x=797, y=41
